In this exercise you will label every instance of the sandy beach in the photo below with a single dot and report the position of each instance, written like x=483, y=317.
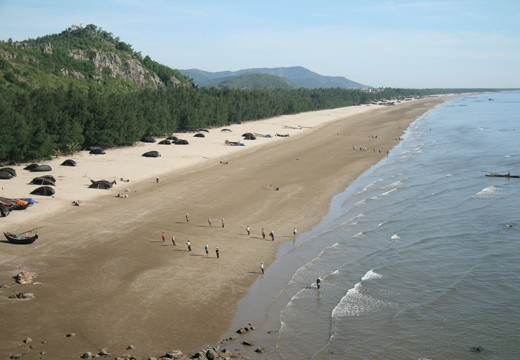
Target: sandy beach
x=105, y=275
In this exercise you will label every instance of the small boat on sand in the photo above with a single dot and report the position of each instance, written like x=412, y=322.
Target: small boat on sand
x=508, y=175
x=24, y=238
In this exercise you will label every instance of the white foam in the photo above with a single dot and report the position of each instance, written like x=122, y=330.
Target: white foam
x=354, y=303
x=359, y=235
x=395, y=237
x=395, y=183
x=386, y=193
x=367, y=187
x=360, y=202
x=371, y=275
x=489, y=192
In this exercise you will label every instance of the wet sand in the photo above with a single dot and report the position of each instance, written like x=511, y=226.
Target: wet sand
x=104, y=272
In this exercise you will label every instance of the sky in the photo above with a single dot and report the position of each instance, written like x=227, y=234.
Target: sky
x=380, y=43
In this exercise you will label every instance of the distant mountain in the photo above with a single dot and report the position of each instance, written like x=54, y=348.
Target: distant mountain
x=82, y=56
x=255, y=81
x=297, y=76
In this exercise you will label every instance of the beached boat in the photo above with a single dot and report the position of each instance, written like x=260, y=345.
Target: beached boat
x=24, y=238
x=508, y=175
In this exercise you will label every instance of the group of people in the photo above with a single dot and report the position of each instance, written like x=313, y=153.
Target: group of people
x=188, y=245
x=217, y=250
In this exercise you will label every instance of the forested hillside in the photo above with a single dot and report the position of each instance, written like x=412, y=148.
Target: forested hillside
x=82, y=56
x=83, y=87
x=255, y=81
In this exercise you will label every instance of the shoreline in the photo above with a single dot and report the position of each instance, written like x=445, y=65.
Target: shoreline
x=163, y=296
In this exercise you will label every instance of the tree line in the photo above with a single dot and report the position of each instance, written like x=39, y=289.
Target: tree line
x=44, y=122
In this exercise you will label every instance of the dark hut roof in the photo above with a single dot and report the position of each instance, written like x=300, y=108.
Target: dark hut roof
x=49, y=177
x=181, y=142
x=249, y=136
x=199, y=135
x=5, y=175
x=101, y=184
x=69, y=162
x=151, y=154
x=44, y=191
x=97, y=150
x=147, y=139
x=31, y=166
x=41, y=168
x=9, y=170
x=40, y=180
x=165, y=142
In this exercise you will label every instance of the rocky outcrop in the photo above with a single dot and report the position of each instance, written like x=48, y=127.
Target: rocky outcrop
x=47, y=48
x=117, y=67
x=25, y=277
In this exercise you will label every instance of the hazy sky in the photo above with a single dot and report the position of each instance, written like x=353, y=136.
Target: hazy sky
x=409, y=43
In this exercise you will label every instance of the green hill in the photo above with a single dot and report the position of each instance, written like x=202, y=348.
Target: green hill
x=255, y=81
x=298, y=76
x=83, y=56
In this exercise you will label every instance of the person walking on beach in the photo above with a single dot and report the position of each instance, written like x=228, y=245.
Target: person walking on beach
x=209, y=221
x=206, y=249
x=173, y=241
x=294, y=232
x=217, y=251
x=271, y=234
x=187, y=218
x=248, y=230
x=157, y=180
x=163, y=236
x=189, y=246
x=262, y=267
x=263, y=233
x=222, y=222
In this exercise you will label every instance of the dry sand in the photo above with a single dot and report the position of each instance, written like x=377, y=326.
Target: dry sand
x=104, y=273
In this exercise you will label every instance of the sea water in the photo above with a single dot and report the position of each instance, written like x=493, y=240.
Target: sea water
x=419, y=258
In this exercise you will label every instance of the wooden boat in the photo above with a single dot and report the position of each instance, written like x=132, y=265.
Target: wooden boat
x=24, y=238
x=508, y=175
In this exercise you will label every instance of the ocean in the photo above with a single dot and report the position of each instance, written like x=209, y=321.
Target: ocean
x=419, y=258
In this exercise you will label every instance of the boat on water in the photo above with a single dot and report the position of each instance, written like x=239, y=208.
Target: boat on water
x=24, y=238
x=508, y=175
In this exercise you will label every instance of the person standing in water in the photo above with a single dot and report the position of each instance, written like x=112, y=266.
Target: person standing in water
x=163, y=236
x=318, y=283
x=173, y=241
x=262, y=267
x=206, y=249
x=263, y=233
x=187, y=218
x=217, y=251
x=189, y=246
x=209, y=221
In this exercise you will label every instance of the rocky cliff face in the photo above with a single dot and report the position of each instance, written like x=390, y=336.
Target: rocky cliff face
x=114, y=66
x=37, y=63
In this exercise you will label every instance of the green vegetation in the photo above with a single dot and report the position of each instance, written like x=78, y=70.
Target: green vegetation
x=85, y=57
x=255, y=81
x=66, y=92
x=43, y=122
